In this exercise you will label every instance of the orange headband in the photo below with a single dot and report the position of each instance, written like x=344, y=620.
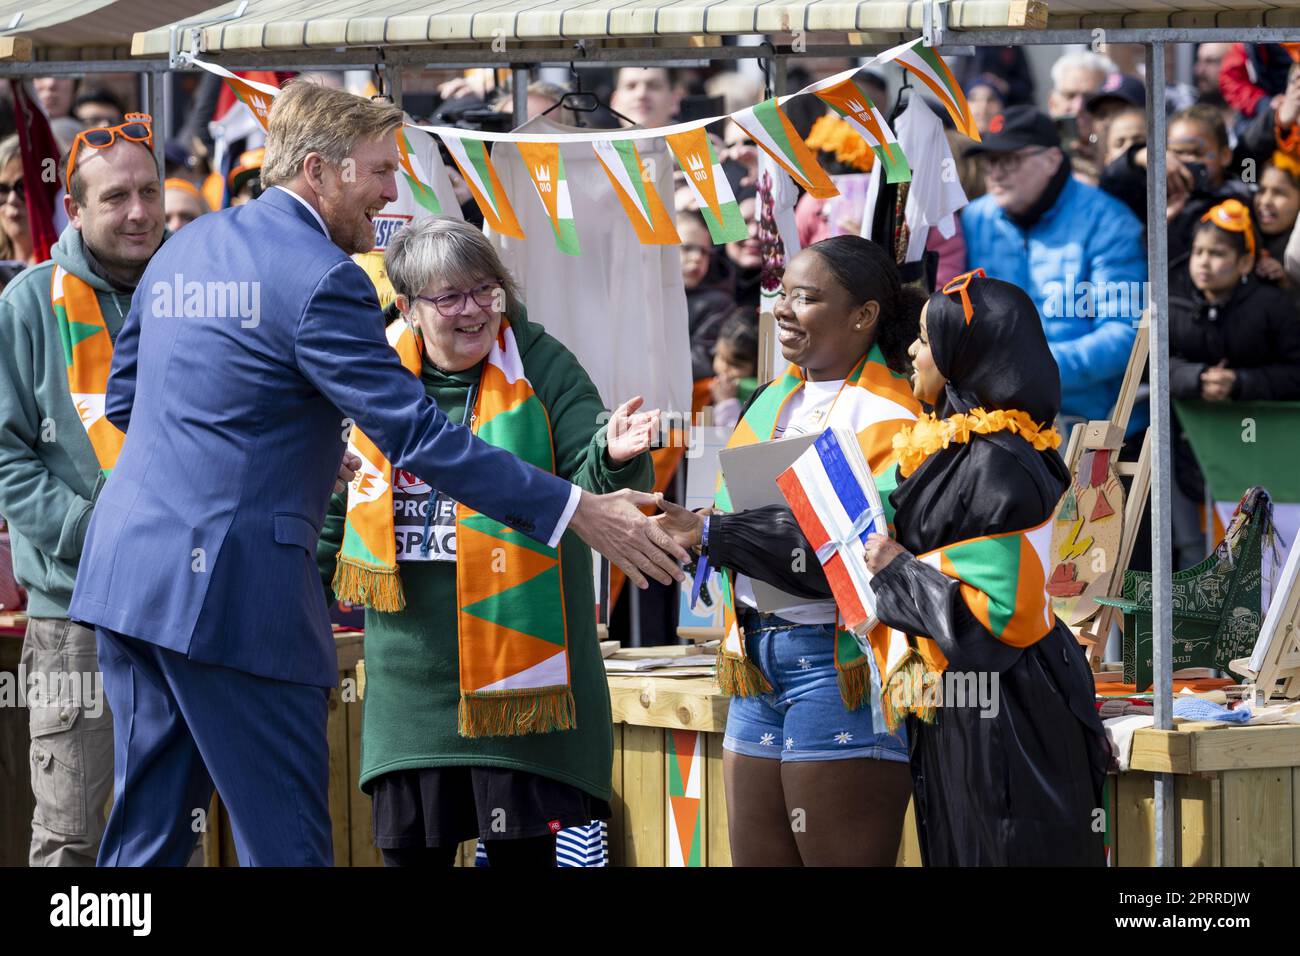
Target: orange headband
x=1232, y=216
x=184, y=185
x=960, y=284
x=1287, y=163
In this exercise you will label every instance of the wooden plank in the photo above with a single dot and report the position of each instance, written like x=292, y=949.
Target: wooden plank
x=688, y=703
x=1135, y=820
x=1295, y=814
x=360, y=841
x=1216, y=820
x=643, y=796
x=1245, y=748
x=467, y=853
x=909, y=848
x=211, y=839
x=1196, y=829
x=616, y=801
x=1161, y=751
x=717, y=840
x=1258, y=818
x=1030, y=14
x=350, y=647
x=341, y=779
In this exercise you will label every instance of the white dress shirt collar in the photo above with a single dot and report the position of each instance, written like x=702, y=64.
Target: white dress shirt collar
x=310, y=208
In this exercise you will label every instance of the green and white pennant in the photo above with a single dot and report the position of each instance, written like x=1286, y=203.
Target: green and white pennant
x=545, y=165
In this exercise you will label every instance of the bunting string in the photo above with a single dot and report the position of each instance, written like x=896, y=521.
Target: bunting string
x=765, y=123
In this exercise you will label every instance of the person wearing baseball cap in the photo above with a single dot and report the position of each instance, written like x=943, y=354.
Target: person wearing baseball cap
x=1068, y=245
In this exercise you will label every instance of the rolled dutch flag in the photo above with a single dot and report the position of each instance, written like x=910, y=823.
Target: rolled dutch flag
x=833, y=496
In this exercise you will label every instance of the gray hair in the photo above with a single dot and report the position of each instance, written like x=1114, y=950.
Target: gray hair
x=1082, y=60
x=447, y=251
x=308, y=118
x=9, y=150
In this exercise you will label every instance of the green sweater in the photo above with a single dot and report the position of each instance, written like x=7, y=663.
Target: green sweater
x=49, y=476
x=412, y=669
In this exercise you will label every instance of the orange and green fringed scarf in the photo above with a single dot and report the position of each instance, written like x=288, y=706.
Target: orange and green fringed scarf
x=875, y=403
x=511, y=626
x=1003, y=580
x=88, y=352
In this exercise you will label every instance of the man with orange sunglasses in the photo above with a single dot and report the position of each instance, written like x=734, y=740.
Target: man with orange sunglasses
x=60, y=320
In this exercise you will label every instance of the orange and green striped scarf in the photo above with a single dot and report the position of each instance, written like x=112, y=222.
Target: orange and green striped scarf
x=875, y=403
x=511, y=625
x=1003, y=583
x=88, y=352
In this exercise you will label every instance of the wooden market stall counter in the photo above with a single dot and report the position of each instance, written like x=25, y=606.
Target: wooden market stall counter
x=669, y=805
x=1237, y=790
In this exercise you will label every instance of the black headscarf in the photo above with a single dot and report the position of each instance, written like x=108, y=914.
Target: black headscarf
x=991, y=483
x=1000, y=359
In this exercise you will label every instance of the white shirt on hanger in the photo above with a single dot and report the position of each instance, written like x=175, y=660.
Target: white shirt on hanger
x=620, y=307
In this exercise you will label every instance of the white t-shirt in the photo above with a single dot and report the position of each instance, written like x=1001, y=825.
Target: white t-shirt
x=935, y=194
x=806, y=413
x=620, y=307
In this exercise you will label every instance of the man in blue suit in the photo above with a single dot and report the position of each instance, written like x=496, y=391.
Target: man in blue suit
x=252, y=346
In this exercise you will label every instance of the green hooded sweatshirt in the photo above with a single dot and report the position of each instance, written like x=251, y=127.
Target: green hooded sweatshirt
x=48, y=473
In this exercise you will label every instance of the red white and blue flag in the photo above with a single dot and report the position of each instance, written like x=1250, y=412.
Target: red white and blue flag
x=833, y=496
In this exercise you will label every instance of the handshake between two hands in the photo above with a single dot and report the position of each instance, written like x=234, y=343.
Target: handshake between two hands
x=613, y=524
x=638, y=544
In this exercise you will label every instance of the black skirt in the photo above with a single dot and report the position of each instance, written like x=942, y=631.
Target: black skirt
x=1022, y=788
x=440, y=806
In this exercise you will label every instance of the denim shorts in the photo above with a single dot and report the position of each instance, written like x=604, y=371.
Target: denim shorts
x=804, y=717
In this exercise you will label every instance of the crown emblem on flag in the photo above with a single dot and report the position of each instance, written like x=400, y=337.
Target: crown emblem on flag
x=694, y=162
x=855, y=107
x=543, y=174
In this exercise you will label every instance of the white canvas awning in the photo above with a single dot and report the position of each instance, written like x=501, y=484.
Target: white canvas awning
x=82, y=29
x=296, y=25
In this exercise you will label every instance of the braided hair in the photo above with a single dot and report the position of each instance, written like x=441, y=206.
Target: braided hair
x=868, y=273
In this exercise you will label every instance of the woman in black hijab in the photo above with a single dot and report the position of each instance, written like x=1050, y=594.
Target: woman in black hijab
x=1014, y=778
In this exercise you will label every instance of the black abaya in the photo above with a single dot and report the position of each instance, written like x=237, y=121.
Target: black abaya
x=1018, y=784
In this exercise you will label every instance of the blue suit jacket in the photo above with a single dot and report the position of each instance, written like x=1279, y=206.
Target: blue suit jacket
x=203, y=540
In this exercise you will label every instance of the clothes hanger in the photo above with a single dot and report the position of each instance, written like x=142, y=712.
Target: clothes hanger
x=581, y=101
x=901, y=101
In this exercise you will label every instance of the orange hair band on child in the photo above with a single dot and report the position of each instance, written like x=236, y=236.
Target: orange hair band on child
x=1232, y=216
x=184, y=185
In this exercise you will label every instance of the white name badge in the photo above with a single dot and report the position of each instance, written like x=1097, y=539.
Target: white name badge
x=412, y=504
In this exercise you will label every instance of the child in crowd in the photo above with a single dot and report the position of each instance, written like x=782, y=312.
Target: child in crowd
x=708, y=296
x=735, y=365
x=1231, y=338
x=1276, y=204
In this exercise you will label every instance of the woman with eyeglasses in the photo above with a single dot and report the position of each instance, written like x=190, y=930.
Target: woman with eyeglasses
x=487, y=711
x=15, y=235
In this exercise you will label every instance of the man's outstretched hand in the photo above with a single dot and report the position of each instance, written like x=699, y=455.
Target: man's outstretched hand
x=613, y=526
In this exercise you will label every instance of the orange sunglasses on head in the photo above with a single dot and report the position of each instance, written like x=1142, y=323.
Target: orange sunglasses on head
x=960, y=284
x=137, y=127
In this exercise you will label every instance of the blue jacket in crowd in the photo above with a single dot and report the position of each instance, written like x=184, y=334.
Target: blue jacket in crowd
x=1084, y=265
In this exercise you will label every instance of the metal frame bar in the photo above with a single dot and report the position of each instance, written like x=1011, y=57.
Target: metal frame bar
x=1161, y=487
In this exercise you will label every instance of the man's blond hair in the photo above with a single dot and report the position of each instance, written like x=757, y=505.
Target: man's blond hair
x=308, y=118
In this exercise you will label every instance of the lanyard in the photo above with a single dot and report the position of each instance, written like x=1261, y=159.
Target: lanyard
x=848, y=378
x=466, y=419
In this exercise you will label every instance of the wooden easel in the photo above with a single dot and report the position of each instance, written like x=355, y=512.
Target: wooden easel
x=1109, y=434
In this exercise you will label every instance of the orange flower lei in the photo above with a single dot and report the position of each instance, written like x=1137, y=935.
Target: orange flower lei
x=917, y=442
